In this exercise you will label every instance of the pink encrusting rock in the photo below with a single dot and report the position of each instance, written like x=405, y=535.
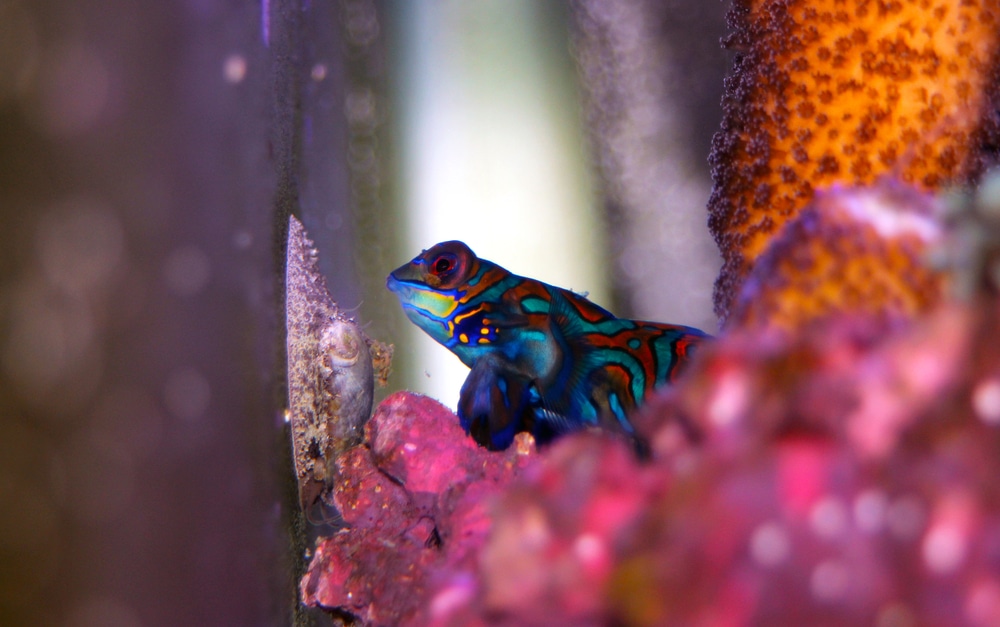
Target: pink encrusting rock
x=844, y=475
x=556, y=532
x=373, y=568
x=416, y=496
x=418, y=442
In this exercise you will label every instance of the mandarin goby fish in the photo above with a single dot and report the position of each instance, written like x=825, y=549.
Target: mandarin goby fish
x=544, y=359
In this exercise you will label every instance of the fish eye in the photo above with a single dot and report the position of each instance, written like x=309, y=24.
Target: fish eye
x=443, y=264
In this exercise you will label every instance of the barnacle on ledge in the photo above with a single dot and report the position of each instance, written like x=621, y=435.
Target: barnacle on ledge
x=332, y=368
x=846, y=91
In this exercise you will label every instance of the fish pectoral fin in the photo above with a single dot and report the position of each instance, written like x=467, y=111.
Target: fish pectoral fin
x=551, y=424
x=504, y=317
x=496, y=403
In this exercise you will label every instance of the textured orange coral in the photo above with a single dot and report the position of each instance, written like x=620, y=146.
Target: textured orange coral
x=827, y=91
x=859, y=250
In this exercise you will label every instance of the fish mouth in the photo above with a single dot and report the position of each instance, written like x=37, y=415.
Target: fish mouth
x=419, y=301
x=397, y=286
x=404, y=290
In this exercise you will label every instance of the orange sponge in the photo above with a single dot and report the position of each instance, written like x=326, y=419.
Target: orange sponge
x=827, y=91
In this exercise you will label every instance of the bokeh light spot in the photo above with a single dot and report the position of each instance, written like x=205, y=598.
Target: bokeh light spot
x=234, y=68
x=986, y=401
x=186, y=271
x=73, y=89
x=769, y=544
x=187, y=394
x=79, y=244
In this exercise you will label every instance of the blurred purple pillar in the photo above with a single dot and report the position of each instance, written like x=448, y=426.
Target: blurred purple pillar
x=150, y=155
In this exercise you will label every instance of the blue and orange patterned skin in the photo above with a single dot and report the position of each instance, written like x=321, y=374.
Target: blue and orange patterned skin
x=543, y=359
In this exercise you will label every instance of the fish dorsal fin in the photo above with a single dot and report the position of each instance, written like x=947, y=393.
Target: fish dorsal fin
x=585, y=310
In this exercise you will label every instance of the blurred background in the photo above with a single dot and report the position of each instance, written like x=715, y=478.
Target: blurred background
x=150, y=154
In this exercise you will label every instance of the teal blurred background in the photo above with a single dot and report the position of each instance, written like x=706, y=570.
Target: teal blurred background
x=149, y=157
